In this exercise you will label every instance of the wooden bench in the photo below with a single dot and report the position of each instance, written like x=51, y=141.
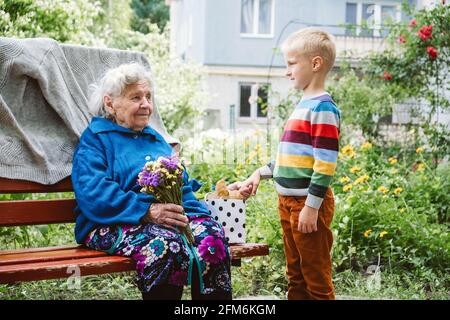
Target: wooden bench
x=32, y=264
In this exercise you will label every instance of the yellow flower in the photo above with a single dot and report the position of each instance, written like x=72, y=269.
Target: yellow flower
x=367, y=233
x=419, y=150
x=251, y=155
x=347, y=149
x=383, y=189
x=347, y=187
x=420, y=166
x=393, y=160
x=361, y=179
x=383, y=233
x=355, y=169
x=401, y=210
x=366, y=146
x=344, y=179
x=398, y=190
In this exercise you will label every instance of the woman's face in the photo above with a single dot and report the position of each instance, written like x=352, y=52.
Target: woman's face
x=133, y=108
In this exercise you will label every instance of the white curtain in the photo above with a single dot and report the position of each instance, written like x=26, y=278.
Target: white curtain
x=265, y=10
x=247, y=16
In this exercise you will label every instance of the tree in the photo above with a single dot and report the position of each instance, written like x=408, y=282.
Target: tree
x=106, y=23
x=62, y=20
x=149, y=11
x=416, y=65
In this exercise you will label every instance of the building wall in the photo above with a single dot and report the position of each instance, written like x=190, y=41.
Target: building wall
x=208, y=31
x=223, y=85
x=217, y=24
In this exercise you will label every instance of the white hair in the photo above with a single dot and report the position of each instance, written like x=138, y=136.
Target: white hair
x=113, y=84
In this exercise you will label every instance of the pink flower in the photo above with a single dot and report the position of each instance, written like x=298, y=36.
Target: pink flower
x=432, y=52
x=412, y=23
x=212, y=250
x=179, y=278
x=425, y=32
x=402, y=39
x=387, y=76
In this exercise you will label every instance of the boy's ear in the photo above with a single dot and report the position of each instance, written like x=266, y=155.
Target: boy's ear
x=317, y=63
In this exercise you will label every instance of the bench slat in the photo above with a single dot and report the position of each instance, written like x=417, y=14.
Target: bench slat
x=40, y=249
x=23, y=186
x=248, y=250
x=52, y=262
x=59, y=269
x=55, y=255
x=31, y=212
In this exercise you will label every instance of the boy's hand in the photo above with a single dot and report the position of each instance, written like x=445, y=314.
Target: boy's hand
x=252, y=181
x=245, y=192
x=247, y=187
x=307, y=220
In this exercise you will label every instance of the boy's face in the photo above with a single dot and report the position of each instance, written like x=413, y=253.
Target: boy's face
x=299, y=69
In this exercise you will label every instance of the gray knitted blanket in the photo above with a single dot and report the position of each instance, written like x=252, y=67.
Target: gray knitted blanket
x=43, y=104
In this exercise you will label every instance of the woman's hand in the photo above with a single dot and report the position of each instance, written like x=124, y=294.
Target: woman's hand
x=166, y=214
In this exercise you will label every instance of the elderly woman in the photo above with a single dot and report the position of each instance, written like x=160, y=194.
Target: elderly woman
x=115, y=217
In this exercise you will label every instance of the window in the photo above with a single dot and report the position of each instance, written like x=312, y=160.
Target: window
x=245, y=106
x=368, y=18
x=388, y=15
x=253, y=100
x=350, y=17
x=261, y=103
x=257, y=17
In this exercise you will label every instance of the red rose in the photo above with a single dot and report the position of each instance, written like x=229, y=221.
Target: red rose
x=387, y=76
x=432, y=52
x=412, y=23
x=402, y=39
x=425, y=32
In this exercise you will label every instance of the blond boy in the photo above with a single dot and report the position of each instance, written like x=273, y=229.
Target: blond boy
x=304, y=167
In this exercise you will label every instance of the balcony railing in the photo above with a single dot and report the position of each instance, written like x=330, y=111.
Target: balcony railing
x=357, y=47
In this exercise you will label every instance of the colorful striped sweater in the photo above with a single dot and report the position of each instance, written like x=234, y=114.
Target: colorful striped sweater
x=308, y=151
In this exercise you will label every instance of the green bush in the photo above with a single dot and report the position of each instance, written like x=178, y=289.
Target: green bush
x=390, y=211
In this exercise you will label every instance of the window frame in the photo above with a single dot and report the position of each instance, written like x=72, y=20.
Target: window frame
x=254, y=105
x=376, y=29
x=255, y=27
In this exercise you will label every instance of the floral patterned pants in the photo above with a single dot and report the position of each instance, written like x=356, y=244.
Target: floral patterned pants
x=163, y=256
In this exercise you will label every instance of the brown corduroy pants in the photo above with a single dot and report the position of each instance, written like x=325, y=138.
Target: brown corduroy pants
x=308, y=255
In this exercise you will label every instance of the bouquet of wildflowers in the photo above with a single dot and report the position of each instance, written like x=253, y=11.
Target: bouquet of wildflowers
x=163, y=179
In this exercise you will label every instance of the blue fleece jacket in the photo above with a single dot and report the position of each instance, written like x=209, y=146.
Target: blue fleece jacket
x=106, y=164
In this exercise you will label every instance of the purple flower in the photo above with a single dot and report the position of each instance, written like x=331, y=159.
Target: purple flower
x=170, y=163
x=148, y=179
x=212, y=250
